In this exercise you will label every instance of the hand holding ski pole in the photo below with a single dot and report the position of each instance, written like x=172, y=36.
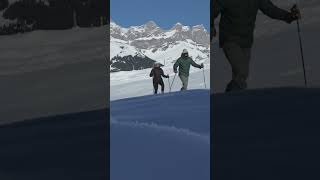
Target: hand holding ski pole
x=214, y=32
x=295, y=12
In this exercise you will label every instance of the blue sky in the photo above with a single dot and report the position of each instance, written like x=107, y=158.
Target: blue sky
x=165, y=13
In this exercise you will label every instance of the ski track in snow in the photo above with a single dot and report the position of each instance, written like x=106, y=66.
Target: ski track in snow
x=163, y=129
x=151, y=110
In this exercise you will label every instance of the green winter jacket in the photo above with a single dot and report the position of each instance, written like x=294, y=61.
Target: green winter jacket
x=184, y=65
x=238, y=18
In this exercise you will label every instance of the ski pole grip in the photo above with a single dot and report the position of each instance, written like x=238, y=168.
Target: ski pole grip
x=294, y=8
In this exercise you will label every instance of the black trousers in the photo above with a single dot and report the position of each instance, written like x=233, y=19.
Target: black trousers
x=239, y=59
x=156, y=83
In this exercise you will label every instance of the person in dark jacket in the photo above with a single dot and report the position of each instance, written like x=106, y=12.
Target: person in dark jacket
x=157, y=74
x=236, y=29
x=184, y=63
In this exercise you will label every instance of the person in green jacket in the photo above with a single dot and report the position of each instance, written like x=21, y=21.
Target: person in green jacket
x=184, y=63
x=236, y=29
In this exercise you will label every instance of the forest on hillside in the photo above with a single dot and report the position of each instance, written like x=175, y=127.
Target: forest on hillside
x=28, y=15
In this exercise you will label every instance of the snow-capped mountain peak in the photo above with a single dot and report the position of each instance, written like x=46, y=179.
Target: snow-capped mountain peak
x=159, y=44
x=151, y=25
x=199, y=28
x=177, y=26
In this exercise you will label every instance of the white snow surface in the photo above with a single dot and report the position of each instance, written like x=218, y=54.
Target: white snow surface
x=148, y=139
x=42, y=49
x=151, y=141
x=121, y=48
x=174, y=52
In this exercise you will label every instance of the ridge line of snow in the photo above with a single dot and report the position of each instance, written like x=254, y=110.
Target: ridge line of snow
x=184, y=131
x=167, y=29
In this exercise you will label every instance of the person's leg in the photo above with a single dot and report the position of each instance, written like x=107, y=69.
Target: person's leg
x=239, y=59
x=181, y=82
x=162, y=86
x=184, y=80
x=155, y=87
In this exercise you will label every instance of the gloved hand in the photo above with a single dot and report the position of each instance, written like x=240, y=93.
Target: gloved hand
x=294, y=14
x=175, y=71
x=213, y=32
x=202, y=66
x=167, y=75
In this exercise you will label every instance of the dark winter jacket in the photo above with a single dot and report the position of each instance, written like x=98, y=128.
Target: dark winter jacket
x=184, y=65
x=157, y=73
x=238, y=18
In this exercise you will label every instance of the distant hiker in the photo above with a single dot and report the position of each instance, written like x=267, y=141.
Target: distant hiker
x=157, y=74
x=184, y=63
x=236, y=29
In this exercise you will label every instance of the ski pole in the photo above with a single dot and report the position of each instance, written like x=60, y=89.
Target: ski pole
x=204, y=79
x=301, y=50
x=173, y=81
x=169, y=83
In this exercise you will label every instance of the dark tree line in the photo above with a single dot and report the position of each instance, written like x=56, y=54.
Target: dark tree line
x=15, y=28
x=3, y=4
x=58, y=14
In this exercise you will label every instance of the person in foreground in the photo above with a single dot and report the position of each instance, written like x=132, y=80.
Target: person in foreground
x=157, y=74
x=184, y=63
x=236, y=31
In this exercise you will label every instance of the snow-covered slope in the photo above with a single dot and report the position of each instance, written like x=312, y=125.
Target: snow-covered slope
x=46, y=49
x=124, y=57
x=267, y=27
x=138, y=83
x=121, y=48
x=164, y=46
x=67, y=68
x=266, y=134
x=64, y=147
x=151, y=141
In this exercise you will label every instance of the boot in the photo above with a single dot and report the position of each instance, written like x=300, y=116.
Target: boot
x=234, y=86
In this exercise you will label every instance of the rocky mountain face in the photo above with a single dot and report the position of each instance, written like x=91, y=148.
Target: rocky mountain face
x=150, y=35
x=157, y=44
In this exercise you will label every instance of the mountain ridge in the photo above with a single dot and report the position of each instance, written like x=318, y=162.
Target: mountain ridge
x=156, y=44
